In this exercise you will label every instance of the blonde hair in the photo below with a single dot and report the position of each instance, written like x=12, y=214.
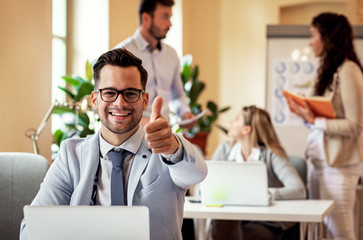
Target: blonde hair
x=262, y=131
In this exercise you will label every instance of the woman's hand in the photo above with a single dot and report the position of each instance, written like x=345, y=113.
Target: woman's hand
x=302, y=111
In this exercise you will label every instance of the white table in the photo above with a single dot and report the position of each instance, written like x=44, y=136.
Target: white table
x=306, y=212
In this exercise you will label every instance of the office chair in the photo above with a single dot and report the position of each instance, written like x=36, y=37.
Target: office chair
x=299, y=164
x=20, y=178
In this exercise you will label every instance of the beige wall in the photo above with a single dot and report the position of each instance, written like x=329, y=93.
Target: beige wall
x=292, y=14
x=202, y=39
x=228, y=41
x=123, y=20
x=25, y=66
x=226, y=38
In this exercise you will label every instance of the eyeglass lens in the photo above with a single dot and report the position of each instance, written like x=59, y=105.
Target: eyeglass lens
x=129, y=95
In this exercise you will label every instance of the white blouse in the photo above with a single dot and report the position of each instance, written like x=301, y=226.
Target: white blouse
x=315, y=146
x=236, y=154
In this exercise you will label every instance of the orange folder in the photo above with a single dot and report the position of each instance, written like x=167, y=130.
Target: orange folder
x=321, y=106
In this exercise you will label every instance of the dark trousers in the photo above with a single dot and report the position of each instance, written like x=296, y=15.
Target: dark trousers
x=188, y=227
x=246, y=230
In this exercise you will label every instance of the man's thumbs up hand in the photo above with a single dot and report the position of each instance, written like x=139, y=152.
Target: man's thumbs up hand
x=157, y=131
x=156, y=108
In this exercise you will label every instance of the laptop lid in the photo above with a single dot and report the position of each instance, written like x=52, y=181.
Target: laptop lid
x=232, y=183
x=87, y=222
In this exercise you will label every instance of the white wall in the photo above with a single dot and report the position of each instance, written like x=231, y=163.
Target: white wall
x=88, y=33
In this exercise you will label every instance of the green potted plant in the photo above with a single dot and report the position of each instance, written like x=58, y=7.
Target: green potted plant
x=193, y=88
x=78, y=106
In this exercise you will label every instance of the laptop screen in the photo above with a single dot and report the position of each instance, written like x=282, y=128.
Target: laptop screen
x=87, y=222
x=232, y=183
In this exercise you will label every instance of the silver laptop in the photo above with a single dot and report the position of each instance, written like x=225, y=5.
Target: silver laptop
x=231, y=183
x=87, y=222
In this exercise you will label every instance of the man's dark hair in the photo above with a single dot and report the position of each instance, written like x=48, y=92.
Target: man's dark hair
x=149, y=6
x=118, y=57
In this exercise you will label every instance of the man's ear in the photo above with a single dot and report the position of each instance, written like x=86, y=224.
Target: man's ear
x=146, y=19
x=94, y=100
x=146, y=101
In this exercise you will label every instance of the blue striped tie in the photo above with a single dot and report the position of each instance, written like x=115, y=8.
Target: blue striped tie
x=117, y=180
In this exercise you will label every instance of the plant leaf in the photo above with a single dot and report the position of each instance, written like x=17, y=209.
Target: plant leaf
x=68, y=92
x=83, y=120
x=61, y=110
x=179, y=130
x=212, y=118
x=224, y=109
x=186, y=73
x=195, y=91
x=195, y=73
x=193, y=88
x=196, y=108
x=85, y=89
x=222, y=128
x=89, y=71
x=81, y=82
x=70, y=80
x=85, y=132
x=212, y=106
x=58, y=137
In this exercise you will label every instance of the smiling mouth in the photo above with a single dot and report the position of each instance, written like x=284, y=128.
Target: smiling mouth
x=120, y=114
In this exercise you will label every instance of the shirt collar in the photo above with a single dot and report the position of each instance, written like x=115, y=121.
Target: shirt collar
x=235, y=154
x=142, y=44
x=132, y=144
x=254, y=155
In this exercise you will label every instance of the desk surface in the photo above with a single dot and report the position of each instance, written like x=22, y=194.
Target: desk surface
x=288, y=211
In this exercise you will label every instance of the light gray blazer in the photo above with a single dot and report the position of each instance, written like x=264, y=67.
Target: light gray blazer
x=152, y=182
x=343, y=138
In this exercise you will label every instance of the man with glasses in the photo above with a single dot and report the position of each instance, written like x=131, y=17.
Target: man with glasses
x=125, y=163
x=159, y=59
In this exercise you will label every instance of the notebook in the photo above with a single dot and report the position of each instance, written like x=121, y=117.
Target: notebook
x=87, y=222
x=232, y=183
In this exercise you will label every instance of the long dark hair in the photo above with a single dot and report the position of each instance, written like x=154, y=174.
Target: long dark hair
x=337, y=37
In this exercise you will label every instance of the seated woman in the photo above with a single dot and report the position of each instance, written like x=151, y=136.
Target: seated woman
x=254, y=139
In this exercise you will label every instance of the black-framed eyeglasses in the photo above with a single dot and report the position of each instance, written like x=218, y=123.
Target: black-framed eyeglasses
x=130, y=95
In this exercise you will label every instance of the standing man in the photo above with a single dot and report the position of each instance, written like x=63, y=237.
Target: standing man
x=160, y=60
x=158, y=166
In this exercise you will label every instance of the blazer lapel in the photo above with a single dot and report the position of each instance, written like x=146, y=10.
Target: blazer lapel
x=89, y=161
x=140, y=162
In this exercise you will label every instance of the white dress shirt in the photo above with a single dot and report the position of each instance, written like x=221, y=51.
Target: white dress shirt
x=164, y=74
x=103, y=196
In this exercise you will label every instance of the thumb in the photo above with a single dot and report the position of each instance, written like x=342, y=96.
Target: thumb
x=156, y=108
